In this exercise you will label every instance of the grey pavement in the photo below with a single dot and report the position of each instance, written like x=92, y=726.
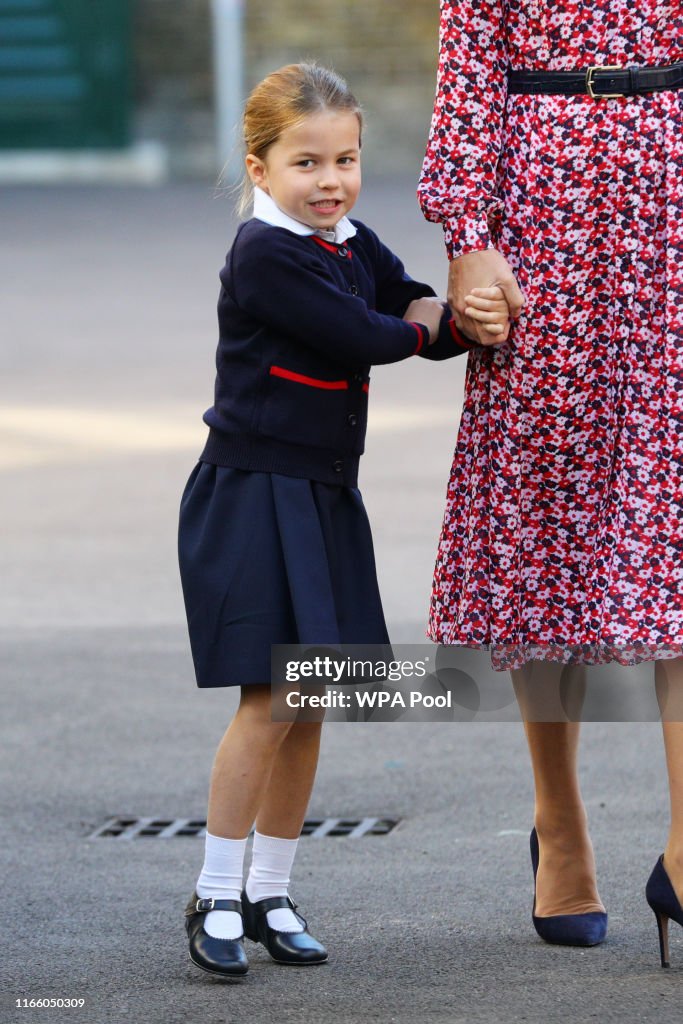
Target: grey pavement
x=108, y=324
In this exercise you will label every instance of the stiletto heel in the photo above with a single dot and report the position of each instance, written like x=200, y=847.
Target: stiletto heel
x=663, y=928
x=566, y=929
x=661, y=896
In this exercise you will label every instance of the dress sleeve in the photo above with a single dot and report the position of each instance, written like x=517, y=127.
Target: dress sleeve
x=458, y=181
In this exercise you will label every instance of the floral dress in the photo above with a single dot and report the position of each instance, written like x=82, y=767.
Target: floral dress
x=563, y=531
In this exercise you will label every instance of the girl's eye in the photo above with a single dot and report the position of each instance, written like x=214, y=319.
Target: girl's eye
x=305, y=163
x=346, y=160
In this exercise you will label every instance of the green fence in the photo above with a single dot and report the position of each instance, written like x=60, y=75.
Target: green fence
x=65, y=70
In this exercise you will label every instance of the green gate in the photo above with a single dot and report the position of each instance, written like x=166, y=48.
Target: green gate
x=64, y=74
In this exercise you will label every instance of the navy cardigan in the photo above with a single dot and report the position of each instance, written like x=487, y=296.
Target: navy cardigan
x=301, y=322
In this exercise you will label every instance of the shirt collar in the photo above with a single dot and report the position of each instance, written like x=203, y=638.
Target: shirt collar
x=267, y=210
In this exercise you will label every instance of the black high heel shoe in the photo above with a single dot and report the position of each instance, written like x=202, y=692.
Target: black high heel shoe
x=298, y=948
x=217, y=956
x=566, y=929
x=661, y=896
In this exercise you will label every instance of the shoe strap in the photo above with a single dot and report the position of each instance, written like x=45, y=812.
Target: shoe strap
x=273, y=903
x=262, y=907
x=206, y=904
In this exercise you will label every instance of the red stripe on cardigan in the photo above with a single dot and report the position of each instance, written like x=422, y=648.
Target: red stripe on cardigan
x=458, y=338
x=331, y=247
x=312, y=382
x=420, y=335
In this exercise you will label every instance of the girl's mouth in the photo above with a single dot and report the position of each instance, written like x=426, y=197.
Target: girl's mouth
x=326, y=205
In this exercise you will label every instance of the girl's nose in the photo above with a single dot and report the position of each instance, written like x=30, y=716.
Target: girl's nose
x=329, y=178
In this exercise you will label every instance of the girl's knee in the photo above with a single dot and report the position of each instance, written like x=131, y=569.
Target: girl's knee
x=305, y=730
x=255, y=713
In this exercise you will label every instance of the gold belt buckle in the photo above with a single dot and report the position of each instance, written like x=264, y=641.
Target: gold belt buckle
x=589, y=81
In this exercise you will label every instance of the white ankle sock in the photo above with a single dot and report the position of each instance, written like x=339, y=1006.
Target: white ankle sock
x=271, y=863
x=221, y=878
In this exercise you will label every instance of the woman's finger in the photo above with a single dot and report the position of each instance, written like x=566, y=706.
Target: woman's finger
x=513, y=295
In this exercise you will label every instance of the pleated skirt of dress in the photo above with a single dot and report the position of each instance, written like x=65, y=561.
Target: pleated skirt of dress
x=268, y=559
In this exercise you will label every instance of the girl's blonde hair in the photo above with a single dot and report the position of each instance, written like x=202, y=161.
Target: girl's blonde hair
x=284, y=99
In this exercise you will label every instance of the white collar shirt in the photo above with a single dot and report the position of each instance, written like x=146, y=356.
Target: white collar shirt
x=267, y=210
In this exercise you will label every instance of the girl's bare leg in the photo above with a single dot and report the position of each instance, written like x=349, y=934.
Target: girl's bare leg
x=566, y=874
x=263, y=771
x=669, y=686
x=259, y=763
x=283, y=807
x=243, y=765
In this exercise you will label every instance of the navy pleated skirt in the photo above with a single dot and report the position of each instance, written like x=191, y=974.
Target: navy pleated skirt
x=268, y=559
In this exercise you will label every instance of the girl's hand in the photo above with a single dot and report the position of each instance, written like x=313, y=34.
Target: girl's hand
x=427, y=311
x=484, y=268
x=489, y=308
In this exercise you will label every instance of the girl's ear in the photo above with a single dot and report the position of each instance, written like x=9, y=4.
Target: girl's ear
x=256, y=169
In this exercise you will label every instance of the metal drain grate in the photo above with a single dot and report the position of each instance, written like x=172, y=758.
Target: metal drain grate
x=353, y=828
x=169, y=828
x=149, y=828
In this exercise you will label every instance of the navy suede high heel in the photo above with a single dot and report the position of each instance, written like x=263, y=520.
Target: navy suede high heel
x=566, y=929
x=661, y=896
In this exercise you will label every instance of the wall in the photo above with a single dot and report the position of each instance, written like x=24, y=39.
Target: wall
x=387, y=50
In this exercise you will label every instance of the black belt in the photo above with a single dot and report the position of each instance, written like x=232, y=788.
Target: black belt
x=600, y=81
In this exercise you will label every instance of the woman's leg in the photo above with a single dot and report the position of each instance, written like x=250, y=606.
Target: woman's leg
x=669, y=685
x=565, y=882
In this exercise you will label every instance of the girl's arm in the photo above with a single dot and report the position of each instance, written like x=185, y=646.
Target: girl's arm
x=457, y=186
x=398, y=294
x=487, y=307
x=288, y=288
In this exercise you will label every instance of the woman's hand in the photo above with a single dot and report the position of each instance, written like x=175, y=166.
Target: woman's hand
x=469, y=274
x=427, y=311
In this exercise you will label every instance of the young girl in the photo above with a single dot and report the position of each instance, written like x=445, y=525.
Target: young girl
x=274, y=542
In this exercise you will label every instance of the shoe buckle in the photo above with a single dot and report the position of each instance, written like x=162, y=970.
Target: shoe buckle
x=203, y=905
x=590, y=83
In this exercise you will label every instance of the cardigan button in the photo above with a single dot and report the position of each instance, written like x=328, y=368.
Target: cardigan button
x=343, y=251
x=352, y=419
x=358, y=377
x=354, y=289
x=338, y=466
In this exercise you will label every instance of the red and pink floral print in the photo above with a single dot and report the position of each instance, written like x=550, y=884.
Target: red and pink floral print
x=563, y=530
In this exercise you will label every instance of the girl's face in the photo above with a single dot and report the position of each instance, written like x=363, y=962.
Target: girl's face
x=312, y=172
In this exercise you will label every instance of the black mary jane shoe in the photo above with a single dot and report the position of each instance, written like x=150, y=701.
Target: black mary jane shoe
x=225, y=957
x=297, y=948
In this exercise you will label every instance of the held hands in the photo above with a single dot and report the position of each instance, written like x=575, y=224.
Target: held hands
x=472, y=281
x=486, y=307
